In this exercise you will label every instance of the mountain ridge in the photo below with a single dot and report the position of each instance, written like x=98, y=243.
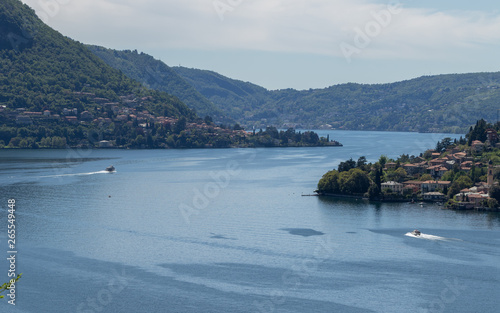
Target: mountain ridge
x=157, y=75
x=438, y=103
x=32, y=77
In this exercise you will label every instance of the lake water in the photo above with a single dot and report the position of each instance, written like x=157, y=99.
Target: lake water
x=229, y=231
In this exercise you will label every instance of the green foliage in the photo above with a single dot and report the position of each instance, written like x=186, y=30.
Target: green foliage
x=494, y=193
x=7, y=285
x=347, y=165
x=426, y=177
x=397, y=175
x=383, y=160
x=374, y=192
x=362, y=162
x=329, y=183
x=241, y=101
x=271, y=137
x=180, y=125
x=460, y=183
x=492, y=203
x=477, y=132
x=157, y=75
x=353, y=182
x=442, y=145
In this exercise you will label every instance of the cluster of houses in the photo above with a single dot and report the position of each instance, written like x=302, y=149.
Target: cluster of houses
x=438, y=165
x=431, y=190
x=435, y=190
x=123, y=111
x=126, y=111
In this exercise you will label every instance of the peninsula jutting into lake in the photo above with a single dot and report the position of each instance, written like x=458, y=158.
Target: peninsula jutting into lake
x=463, y=173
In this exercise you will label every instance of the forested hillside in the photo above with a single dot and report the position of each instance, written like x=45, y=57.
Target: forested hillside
x=54, y=93
x=157, y=75
x=444, y=103
x=42, y=70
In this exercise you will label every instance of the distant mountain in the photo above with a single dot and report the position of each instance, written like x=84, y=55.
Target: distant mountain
x=157, y=75
x=444, y=103
x=239, y=100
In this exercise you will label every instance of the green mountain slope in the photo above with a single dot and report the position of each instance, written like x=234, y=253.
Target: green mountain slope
x=444, y=103
x=157, y=75
x=40, y=69
x=239, y=100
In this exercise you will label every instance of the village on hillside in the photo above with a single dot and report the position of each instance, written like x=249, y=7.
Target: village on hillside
x=463, y=174
x=130, y=111
x=118, y=124
x=447, y=164
x=128, y=123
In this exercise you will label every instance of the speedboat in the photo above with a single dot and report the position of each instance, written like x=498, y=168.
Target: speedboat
x=416, y=232
x=110, y=168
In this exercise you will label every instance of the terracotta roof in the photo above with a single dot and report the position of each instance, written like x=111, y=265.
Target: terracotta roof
x=441, y=182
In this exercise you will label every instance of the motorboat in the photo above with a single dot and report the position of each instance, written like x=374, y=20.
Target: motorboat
x=110, y=168
x=416, y=232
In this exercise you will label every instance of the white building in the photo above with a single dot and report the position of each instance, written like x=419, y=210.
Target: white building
x=394, y=186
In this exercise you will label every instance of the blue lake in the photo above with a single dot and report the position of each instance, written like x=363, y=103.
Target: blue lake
x=229, y=231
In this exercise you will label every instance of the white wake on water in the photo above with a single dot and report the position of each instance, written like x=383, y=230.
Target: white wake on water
x=78, y=174
x=429, y=237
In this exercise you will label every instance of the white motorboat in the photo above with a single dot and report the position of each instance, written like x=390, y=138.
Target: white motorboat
x=416, y=232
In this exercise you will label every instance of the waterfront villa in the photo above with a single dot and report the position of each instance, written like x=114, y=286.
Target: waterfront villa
x=434, y=185
x=394, y=186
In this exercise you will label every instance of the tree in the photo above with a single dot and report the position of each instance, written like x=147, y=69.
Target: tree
x=426, y=177
x=373, y=192
x=149, y=141
x=180, y=125
x=355, y=181
x=347, y=165
x=442, y=145
x=492, y=203
x=329, y=183
x=361, y=162
x=459, y=184
x=397, y=175
x=383, y=160
x=273, y=132
x=378, y=177
x=495, y=192
x=208, y=120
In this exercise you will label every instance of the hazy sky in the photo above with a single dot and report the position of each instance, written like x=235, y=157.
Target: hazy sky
x=293, y=43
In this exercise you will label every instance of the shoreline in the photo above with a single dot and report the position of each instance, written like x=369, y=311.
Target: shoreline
x=443, y=207
x=181, y=148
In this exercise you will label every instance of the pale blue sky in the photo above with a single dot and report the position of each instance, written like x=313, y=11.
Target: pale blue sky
x=293, y=43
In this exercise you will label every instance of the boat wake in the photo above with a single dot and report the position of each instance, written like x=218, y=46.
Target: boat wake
x=77, y=174
x=429, y=237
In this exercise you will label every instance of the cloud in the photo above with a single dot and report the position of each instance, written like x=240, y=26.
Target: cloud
x=293, y=26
